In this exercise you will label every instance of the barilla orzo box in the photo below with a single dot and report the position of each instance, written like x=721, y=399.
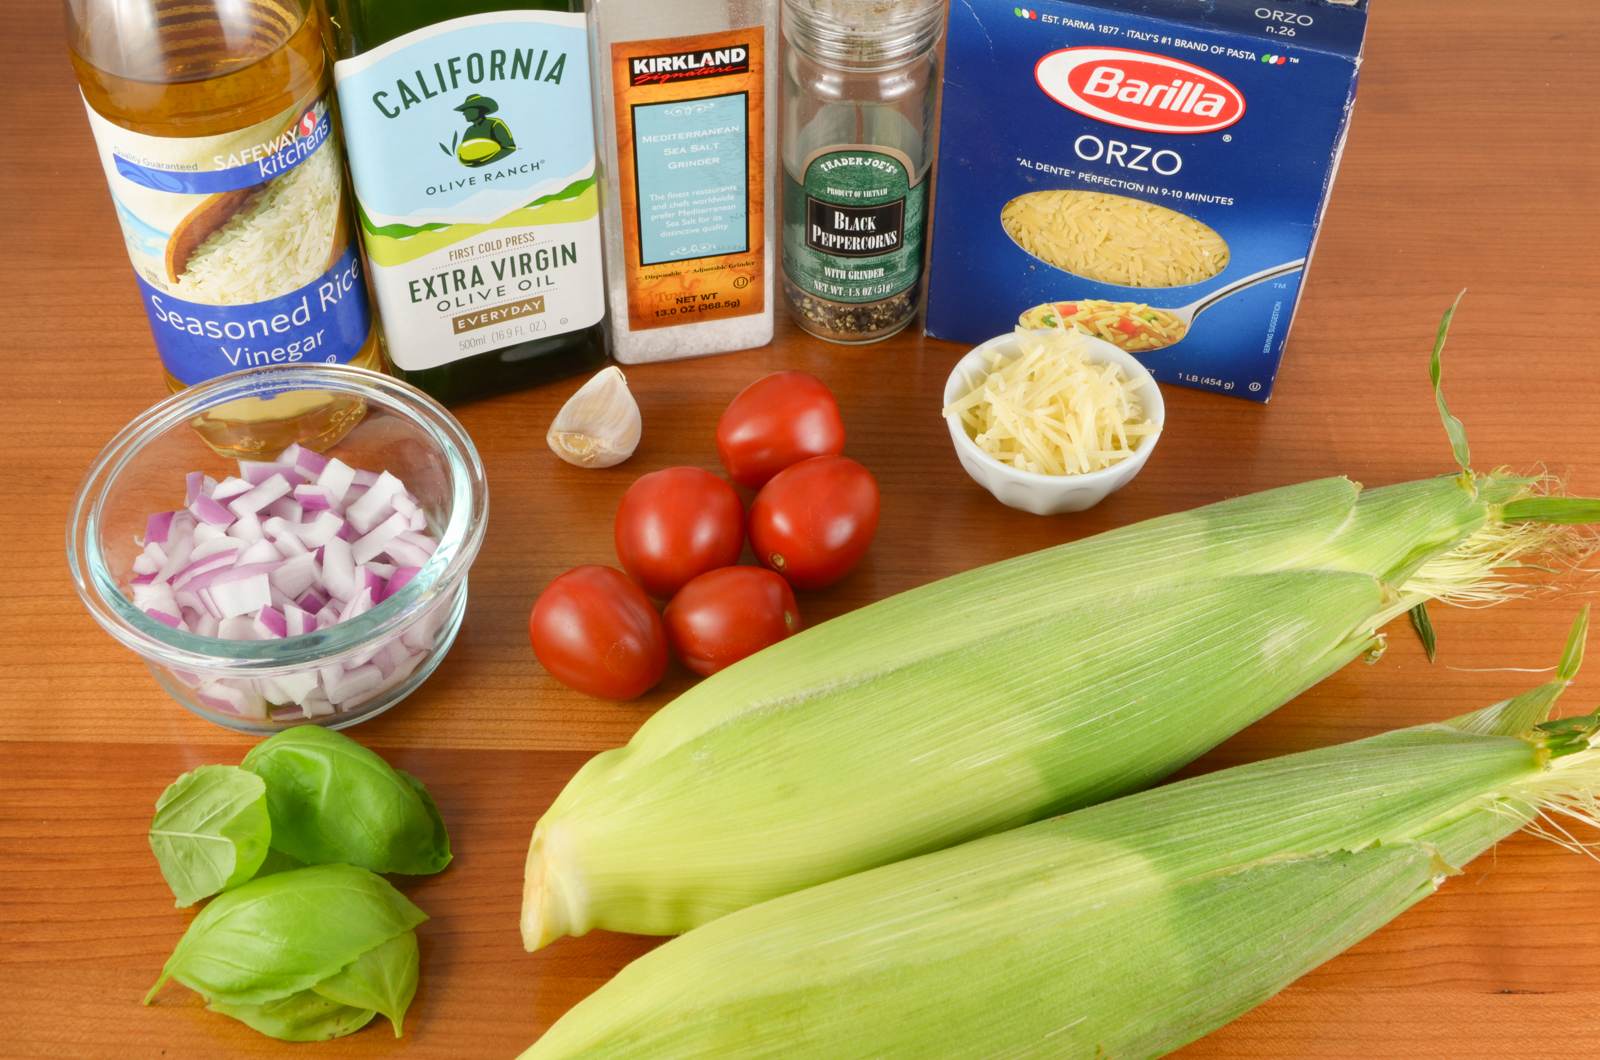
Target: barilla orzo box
x=1152, y=170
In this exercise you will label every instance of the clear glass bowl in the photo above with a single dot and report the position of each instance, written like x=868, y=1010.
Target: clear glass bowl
x=142, y=471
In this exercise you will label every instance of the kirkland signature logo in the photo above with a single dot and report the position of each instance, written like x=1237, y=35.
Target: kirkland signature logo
x=688, y=66
x=1139, y=90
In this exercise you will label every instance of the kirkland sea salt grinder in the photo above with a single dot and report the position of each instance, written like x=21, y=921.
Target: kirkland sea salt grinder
x=859, y=79
x=685, y=94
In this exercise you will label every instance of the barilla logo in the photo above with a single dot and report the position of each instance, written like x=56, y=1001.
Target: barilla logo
x=1139, y=90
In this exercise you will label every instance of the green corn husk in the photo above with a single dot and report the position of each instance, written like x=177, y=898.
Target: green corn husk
x=1125, y=929
x=1003, y=696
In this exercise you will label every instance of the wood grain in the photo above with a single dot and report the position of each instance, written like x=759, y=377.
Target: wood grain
x=1474, y=162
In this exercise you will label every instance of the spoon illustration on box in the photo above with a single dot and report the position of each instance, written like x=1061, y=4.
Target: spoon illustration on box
x=1139, y=328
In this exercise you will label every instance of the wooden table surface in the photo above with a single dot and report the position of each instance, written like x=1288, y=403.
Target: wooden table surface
x=1473, y=163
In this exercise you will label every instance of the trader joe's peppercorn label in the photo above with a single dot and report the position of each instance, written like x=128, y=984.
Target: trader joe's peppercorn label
x=854, y=225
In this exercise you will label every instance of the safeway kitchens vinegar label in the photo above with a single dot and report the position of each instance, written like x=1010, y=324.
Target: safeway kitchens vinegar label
x=690, y=151
x=471, y=145
x=239, y=243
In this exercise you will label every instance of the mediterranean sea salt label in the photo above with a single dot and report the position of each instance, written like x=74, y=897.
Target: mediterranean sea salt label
x=471, y=147
x=238, y=243
x=690, y=149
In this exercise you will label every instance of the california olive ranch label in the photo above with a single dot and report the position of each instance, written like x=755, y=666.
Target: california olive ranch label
x=471, y=146
x=854, y=225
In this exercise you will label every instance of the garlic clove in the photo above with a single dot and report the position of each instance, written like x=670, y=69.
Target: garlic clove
x=600, y=425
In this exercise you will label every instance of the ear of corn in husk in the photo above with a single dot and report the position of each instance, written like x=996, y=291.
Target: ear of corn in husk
x=1003, y=695
x=1124, y=929
x=1013, y=692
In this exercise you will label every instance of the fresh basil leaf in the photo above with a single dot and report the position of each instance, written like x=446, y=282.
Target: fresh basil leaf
x=332, y=801
x=277, y=861
x=439, y=852
x=383, y=979
x=285, y=933
x=303, y=1017
x=211, y=831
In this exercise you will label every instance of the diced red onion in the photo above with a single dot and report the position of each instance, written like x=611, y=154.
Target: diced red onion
x=208, y=510
x=319, y=531
x=237, y=627
x=351, y=683
x=357, y=605
x=247, y=528
x=204, y=532
x=371, y=582
x=262, y=551
x=316, y=705
x=312, y=498
x=296, y=576
x=338, y=569
x=284, y=536
x=213, y=546
x=398, y=580
x=230, y=487
x=234, y=698
x=336, y=478
x=261, y=495
x=296, y=622
x=373, y=506
x=157, y=527
x=256, y=472
x=288, y=548
x=216, y=561
x=376, y=540
x=208, y=605
x=271, y=623
x=308, y=461
x=285, y=508
x=157, y=596
x=242, y=595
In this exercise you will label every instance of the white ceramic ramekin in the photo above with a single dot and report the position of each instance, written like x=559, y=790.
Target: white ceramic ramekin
x=1031, y=491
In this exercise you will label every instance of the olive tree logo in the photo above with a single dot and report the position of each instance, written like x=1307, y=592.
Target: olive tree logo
x=486, y=140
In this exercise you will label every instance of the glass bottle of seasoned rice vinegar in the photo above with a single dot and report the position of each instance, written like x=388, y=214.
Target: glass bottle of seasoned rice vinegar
x=214, y=126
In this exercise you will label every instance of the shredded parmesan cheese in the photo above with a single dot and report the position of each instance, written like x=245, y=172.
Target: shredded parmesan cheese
x=1051, y=410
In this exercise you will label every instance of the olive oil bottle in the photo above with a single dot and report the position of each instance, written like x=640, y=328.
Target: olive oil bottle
x=215, y=128
x=471, y=140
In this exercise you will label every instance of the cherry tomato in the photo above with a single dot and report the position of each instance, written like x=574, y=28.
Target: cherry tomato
x=676, y=523
x=775, y=422
x=724, y=615
x=813, y=522
x=595, y=631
